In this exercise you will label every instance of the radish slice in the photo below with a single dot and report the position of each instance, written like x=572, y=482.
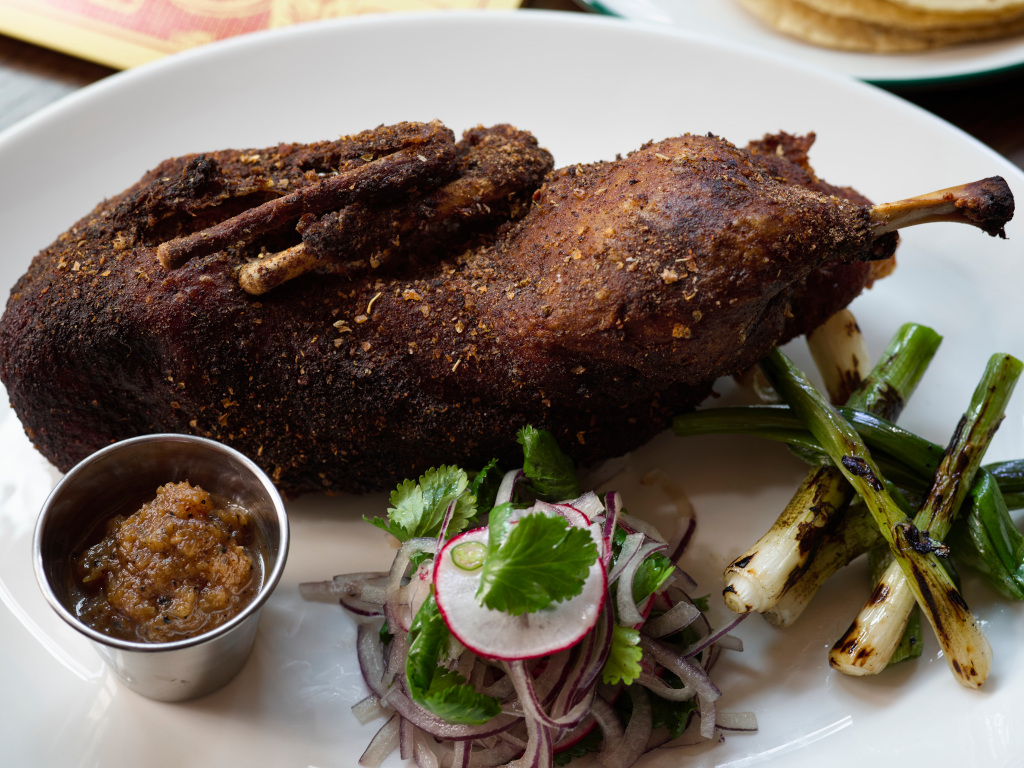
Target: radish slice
x=499, y=635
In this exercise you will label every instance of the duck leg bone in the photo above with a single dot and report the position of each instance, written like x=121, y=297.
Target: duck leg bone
x=987, y=204
x=428, y=161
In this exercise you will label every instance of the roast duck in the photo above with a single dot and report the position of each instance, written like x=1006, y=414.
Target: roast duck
x=349, y=313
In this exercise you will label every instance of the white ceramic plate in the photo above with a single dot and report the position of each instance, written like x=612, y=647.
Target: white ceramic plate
x=726, y=20
x=589, y=87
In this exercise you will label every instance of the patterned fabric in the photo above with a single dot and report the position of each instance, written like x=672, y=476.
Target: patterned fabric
x=125, y=33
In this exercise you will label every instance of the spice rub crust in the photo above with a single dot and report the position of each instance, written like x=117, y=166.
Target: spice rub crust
x=625, y=290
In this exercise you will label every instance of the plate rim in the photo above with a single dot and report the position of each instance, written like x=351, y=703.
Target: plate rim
x=820, y=76
x=954, y=76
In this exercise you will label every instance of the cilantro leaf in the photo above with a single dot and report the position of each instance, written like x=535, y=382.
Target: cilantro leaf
x=551, y=475
x=673, y=716
x=454, y=701
x=498, y=525
x=418, y=508
x=542, y=560
x=436, y=689
x=485, y=485
x=624, y=659
x=651, y=574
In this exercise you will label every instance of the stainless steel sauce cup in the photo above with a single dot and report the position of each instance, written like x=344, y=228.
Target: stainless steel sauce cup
x=118, y=480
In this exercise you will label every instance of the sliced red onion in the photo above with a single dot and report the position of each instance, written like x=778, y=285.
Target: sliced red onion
x=399, y=621
x=507, y=488
x=630, y=547
x=592, y=653
x=708, y=714
x=613, y=506
x=539, y=751
x=406, y=739
x=424, y=755
x=374, y=594
x=531, y=704
x=461, y=754
x=500, y=689
x=382, y=744
x=397, y=652
x=360, y=609
x=683, y=668
x=572, y=515
x=665, y=691
x=691, y=737
x=737, y=721
x=511, y=738
x=361, y=594
x=575, y=735
x=608, y=722
x=676, y=618
x=398, y=699
x=329, y=591
x=631, y=523
x=634, y=739
x=629, y=614
x=591, y=673
x=371, y=658
x=494, y=756
x=682, y=579
x=713, y=637
x=553, y=676
x=368, y=709
x=589, y=504
x=445, y=522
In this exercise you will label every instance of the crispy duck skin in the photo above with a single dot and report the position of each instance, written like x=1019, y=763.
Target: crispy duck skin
x=615, y=302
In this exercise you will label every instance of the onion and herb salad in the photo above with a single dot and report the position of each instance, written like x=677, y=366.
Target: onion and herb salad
x=524, y=622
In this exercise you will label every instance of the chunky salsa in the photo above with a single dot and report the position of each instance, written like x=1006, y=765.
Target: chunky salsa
x=184, y=563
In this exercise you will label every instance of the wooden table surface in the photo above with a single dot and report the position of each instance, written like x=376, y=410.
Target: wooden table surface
x=991, y=109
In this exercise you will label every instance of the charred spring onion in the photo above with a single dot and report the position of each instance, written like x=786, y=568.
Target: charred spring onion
x=965, y=646
x=871, y=640
x=899, y=461
x=759, y=578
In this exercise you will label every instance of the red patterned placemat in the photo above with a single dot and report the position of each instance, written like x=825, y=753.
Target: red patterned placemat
x=124, y=33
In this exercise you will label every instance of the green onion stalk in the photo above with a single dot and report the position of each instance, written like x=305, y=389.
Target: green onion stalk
x=965, y=647
x=869, y=643
x=985, y=537
x=812, y=520
x=840, y=354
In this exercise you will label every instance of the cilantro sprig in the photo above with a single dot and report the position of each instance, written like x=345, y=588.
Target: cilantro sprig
x=540, y=560
x=436, y=689
x=418, y=508
x=624, y=658
x=550, y=473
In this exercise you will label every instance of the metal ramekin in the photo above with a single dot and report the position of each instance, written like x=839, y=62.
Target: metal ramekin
x=118, y=480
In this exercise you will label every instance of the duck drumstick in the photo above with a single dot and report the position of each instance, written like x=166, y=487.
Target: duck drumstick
x=987, y=204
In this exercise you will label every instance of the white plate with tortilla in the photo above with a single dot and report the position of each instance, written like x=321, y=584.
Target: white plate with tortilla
x=727, y=20
x=589, y=88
